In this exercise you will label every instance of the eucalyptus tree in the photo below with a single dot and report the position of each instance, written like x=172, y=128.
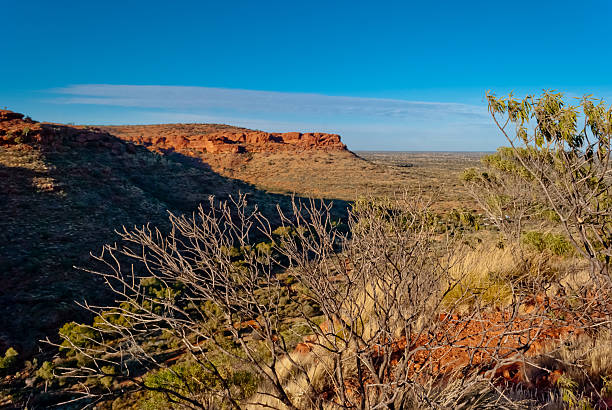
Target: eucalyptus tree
x=564, y=149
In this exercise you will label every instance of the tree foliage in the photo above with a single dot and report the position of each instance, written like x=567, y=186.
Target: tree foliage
x=565, y=150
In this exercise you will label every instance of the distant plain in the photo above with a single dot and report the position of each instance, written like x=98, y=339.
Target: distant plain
x=347, y=175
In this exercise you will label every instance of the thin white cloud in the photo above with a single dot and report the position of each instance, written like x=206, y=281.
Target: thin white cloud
x=207, y=100
x=364, y=123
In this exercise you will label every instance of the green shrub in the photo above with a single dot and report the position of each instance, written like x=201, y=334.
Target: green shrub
x=548, y=214
x=264, y=249
x=551, y=242
x=469, y=174
x=570, y=394
x=283, y=231
x=46, y=371
x=191, y=379
x=9, y=361
x=464, y=218
x=75, y=334
x=112, y=317
x=155, y=287
x=232, y=252
x=107, y=380
x=160, y=293
x=505, y=160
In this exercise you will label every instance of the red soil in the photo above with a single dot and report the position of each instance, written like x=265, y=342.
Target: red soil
x=496, y=344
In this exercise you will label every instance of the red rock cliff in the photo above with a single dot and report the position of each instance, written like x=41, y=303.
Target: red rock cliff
x=215, y=138
x=210, y=138
x=17, y=129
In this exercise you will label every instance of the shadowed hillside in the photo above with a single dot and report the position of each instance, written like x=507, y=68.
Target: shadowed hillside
x=64, y=192
x=68, y=188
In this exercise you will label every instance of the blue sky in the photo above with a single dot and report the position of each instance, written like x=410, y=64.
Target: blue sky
x=385, y=75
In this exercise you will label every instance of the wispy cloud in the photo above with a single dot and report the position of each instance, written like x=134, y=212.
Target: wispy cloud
x=363, y=122
x=207, y=99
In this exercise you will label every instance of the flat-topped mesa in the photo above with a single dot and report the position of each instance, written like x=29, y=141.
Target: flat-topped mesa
x=229, y=141
x=203, y=138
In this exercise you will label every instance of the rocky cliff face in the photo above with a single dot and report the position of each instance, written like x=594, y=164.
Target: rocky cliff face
x=17, y=129
x=205, y=138
x=213, y=138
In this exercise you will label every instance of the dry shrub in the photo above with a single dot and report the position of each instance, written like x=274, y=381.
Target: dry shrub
x=486, y=272
x=373, y=305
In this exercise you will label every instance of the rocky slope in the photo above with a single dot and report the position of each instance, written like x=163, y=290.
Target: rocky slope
x=217, y=138
x=63, y=192
x=16, y=129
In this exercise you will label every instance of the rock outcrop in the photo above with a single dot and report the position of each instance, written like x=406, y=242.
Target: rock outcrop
x=187, y=138
x=214, y=138
x=16, y=129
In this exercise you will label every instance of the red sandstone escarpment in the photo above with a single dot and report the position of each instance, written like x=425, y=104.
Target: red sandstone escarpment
x=188, y=138
x=16, y=129
x=213, y=138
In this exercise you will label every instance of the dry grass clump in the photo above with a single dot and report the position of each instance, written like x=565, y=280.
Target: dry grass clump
x=301, y=387
x=486, y=272
x=492, y=273
x=588, y=356
x=585, y=359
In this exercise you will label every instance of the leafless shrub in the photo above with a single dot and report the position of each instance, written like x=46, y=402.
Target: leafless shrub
x=317, y=316
x=506, y=194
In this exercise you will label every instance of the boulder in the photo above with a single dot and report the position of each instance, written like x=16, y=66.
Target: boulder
x=6, y=115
